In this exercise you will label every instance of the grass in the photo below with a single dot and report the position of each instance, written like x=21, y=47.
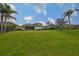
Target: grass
x=40, y=43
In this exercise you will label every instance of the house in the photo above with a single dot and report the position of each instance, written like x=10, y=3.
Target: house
x=19, y=28
x=41, y=26
x=28, y=26
x=38, y=27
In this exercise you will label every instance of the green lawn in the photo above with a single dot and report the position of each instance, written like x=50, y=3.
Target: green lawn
x=40, y=43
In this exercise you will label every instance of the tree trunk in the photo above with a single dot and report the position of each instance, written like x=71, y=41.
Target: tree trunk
x=69, y=22
x=5, y=25
x=2, y=22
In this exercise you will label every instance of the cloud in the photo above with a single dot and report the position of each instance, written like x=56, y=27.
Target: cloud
x=50, y=20
x=43, y=23
x=38, y=10
x=28, y=19
x=75, y=13
x=40, y=7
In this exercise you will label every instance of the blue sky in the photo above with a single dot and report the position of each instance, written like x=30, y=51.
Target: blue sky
x=30, y=13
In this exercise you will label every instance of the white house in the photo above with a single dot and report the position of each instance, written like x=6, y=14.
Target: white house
x=38, y=27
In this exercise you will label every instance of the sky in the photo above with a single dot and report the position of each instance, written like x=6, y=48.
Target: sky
x=43, y=12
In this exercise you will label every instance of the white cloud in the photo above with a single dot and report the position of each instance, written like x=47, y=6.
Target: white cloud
x=75, y=13
x=50, y=20
x=28, y=18
x=43, y=23
x=40, y=8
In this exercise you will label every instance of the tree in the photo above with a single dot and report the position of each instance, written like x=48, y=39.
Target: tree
x=6, y=12
x=68, y=14
x=60, y=22
x=2, y=10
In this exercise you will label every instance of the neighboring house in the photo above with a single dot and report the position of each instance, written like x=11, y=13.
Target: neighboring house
x=52, y=26
x=38, y=27
x=19, y=28
x=38, y=24
x=29, y=28
x=42, y=28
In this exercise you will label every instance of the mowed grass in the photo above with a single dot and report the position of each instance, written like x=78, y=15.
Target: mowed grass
x=40, y=43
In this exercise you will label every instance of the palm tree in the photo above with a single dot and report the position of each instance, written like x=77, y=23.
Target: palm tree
x=6, y=12
x=2, y=12
x=61, y=22
x=68, y=14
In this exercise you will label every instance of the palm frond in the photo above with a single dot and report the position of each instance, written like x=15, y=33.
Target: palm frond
x=12, y=17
